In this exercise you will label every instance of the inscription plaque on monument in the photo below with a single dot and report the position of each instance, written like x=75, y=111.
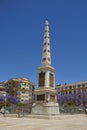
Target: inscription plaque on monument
x=51, y=80
x=41, y=79
x=41, y=97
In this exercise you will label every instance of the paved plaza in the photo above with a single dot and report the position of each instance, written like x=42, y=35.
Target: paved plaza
x=64, y=122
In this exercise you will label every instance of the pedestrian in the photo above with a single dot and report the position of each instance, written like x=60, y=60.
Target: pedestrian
x=3, y=111
x=85, y=110
x=18, y=112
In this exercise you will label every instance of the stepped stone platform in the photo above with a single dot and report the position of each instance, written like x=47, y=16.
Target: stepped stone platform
x=53, y=117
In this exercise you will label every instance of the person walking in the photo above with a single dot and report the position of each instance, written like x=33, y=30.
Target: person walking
x=85, y=110
x=18, y=112
x=3, y=111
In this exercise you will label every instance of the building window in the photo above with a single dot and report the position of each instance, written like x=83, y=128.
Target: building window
x=70, y=87
x=74, y=86
x=83, y=85
x=65, y=87
x=78, y=86
x=18, y=86
x=74, y=91
x=70, y=92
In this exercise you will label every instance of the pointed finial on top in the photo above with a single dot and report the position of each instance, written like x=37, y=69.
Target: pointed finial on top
x=47, y=19
x=46, y=58
x=46, y=22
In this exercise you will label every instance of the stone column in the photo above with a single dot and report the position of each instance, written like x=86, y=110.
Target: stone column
x=47, y=79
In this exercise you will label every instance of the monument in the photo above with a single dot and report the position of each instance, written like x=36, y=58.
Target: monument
x=45, y=95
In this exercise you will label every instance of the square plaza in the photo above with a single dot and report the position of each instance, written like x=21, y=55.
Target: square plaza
x=64, y=122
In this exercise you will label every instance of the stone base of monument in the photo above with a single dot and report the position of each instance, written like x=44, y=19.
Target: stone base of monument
x=54, y=117
x=46, y=109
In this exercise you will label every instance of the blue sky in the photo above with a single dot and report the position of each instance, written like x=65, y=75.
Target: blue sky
x=21, y=38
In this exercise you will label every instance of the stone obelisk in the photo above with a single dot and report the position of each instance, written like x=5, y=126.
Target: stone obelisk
x=45, y=95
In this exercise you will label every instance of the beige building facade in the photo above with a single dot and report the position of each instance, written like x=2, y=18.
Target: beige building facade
x=72, y=88
x=2, y=89
x=21, y=88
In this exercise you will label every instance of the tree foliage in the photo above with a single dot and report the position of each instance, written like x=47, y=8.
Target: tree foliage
x=80, y=98
x=8, y=100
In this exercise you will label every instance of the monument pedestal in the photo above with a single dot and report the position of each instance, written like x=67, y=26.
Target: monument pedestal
x=45, y=109
x=45, y=102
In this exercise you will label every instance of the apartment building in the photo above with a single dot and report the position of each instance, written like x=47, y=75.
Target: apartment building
x=2, y=89
x=72, y=88
x=21, y=88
